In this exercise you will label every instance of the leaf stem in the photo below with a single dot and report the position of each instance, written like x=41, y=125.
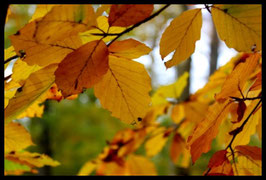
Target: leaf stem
x=138, y=24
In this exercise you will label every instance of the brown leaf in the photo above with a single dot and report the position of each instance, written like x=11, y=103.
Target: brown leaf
x=128, y=14
x=217, y=158
x=82, y=68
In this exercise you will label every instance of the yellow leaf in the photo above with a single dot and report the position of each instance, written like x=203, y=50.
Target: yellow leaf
x=34, y=110
x=9, y=52
x=128, y=48
x=249, y=129
x=154, y=112
x=31, y=159
x=124, y=90
x=239, y=26
x=87, y=169
x=44, y=53
x=140, y=165
x=64, y=21
x=103, y=27
x=21, y=71
x=41, y=10
x=156, y=142
x=35, y=86
x=181, y=35
x=16, y=137
x=10, y=90
x=170, y=91
x=237, y=79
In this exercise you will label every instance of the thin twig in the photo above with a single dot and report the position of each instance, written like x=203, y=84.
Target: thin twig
x=242, y=126
x=11, y=58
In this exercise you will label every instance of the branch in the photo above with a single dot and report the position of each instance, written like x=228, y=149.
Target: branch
x=138, y=24
x=239, y=129
x=11, y=58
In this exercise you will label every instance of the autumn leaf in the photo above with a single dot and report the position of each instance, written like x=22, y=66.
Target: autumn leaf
x=87, y=169
x=248, y=160
x=124, y=90
x=45, y=53
x=178, y=149
x=219, y=165
x=41, y=10
x=64, y=21
x=180, y=36
x=140, y=165
x=82, y=68
x=156, y=141
x=239, y=26
x=128, y=14
x=170, y=92
x=207, y=129
x=236, y=80
x=9, y=52
x=16, y=137
x=31, y=159
x=19, y=67
x=10, y=91
x=35, y=86
x=128, y=48
x=97, y=33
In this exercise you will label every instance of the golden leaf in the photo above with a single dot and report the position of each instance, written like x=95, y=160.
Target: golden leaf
x=124, y=90
x=16, y=137
x=239, y=26
x=128, y=48
x=35, y=86
x=180, y=36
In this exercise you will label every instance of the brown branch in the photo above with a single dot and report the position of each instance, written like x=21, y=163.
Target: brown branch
x=239, y=129
x=11, y=58
x=138, y=24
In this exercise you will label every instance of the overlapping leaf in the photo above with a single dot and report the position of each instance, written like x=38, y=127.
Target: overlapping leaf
x=128, y=14
x=124, y=90
x=42, y=53
x=35, y=86
x=180, y=36
x=239, y=26
x=82, y=68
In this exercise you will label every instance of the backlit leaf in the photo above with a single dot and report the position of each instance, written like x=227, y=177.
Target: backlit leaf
x=64, y=21
x=82, y=68
x=202, y=136
x=239, y=26
x=237, y=79
x=44, y=53
x=35, y=86
x=172, y=91
x=181, y=36
x=124, y=90
x=16, y=137
x=128, y=14
x=128, y=48
x=140, y=165
x=103, y=27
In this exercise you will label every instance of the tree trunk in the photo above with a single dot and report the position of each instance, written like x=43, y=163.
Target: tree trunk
x=214, y=50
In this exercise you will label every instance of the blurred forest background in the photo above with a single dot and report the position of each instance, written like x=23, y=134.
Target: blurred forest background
x=75, y=131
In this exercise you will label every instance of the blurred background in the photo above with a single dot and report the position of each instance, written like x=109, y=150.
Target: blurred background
x=75, y=131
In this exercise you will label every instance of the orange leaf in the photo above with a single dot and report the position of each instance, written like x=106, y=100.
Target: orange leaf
x=237, y=79
x=250, y=151
x=82, y=68
x=128, y=48
x=44, y=53
x=217, y=158
x=128, y=14
x=207, y=129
